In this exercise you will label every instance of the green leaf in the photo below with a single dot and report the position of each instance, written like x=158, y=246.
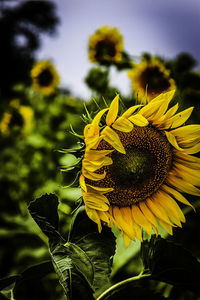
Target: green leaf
x=5, y=282
x=71, y=263
x=171, y=263
x=99, y=247
x=2, y=297
x=74, y=270
x=44, y=212
x=20, y=284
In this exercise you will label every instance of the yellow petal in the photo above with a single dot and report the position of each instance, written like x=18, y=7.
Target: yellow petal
x=162, y=109
x=170, y=206
x=177, y=195
x=130, y=111
x=123, y=125
x=95, y=165
x=139, y=120
x=105, y=217
x=82, y=183
x=192, y=150
x=148, y=214
x=171, y=111
x=158, y=211
x=92, y=214
x=113, y=111
x=164, y=96
x=187, y=132
x=113, y=139
x=126, y=239
x=140, y=219
x=166, y=226
x=190, y=175
x=96, y=201
x=96, y=154
x=123, y=219
x=179, y=118
x=93, y=176
x=97, y=118
x=151, y=108
x=172, y=140
x=183, y=185
x=102, y=190
x=188, y=158
x=92, y=142
x=93, y=128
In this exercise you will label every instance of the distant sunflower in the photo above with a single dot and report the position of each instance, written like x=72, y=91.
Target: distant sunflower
x=150, y=77
x=17, y=116
x=136, y=166
x=44, y=77
x=105, y=45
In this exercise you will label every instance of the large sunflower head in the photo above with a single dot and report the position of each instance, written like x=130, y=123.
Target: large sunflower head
x=44, y=77
x=149, y=79
x=105, y=45
x=17, y=116
x=137, y=165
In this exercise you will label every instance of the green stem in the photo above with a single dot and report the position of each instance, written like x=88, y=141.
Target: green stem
x=121, y=283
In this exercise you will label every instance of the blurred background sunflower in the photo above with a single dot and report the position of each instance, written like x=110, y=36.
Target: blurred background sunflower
x=149, y=79
x=44, y=77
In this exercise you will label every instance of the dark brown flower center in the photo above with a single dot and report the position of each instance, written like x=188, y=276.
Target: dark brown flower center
x=140, y=172
x=104, y=50
x=154, y=79
x=45, y=78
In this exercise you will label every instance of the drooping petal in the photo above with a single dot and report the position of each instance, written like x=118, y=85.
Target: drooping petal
x=172, y=139
x=158, y=211
x=177, y=195
x=96, y=154
x=170, y=206
x=96, y=201
x=148, y=214
x=93, y=176
x=110, y=136
x=95, y=165
x=166, y=226
x=82, y=183
x=101, y=190
x=190, y=175
x=92, y=214
x=123, y=220
x=183, y=185
x=192, y=150
x=140, y=219
x=126, y=239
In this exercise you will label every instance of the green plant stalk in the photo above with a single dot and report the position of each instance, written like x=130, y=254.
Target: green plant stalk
x=121, y=283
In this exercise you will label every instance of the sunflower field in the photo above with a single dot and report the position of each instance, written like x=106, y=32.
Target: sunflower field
x=100, y=199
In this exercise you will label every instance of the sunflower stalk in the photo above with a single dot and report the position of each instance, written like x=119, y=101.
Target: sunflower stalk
x=109, y=291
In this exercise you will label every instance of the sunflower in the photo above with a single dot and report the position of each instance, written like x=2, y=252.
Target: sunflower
x=17, y=115
x=44, y=77
x=105, y=45
x=136, y=167
x=150, y=77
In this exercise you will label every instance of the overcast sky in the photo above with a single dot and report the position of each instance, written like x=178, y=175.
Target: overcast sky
x=164, y=27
